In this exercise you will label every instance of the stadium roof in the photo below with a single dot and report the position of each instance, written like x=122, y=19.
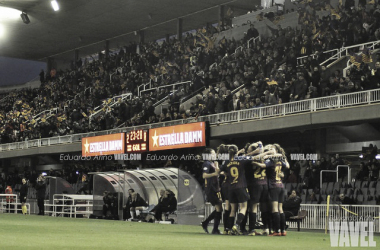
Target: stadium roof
x=86, y=24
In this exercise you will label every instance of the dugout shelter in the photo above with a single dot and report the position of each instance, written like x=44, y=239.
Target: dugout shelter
x=148, y=183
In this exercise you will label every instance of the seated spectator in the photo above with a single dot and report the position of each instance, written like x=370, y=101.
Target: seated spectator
x=373, y=171
x=363, y=172
x=292, y=205
x=134, y=200
x=346, y=200
x=160, y=200
x=168, y=204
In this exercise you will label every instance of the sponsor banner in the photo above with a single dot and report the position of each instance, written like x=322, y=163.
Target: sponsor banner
x=103, y=145
x=179, y=136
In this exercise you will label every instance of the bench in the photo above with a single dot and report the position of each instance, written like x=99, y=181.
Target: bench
x=172, y=214
x=301, y=215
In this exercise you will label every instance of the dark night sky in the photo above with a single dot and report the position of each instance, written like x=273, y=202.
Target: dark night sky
x=17, y=71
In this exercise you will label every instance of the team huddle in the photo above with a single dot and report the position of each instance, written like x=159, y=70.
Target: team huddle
x=252, y=178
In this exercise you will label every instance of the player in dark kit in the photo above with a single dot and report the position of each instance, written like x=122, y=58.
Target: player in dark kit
x=211, y=177
x=237, y=187
x=257, y=188
x=223, y=149
x=274, y=165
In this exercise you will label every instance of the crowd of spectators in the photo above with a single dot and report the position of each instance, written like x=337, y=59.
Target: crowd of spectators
x=267, y=70
x=307, y=172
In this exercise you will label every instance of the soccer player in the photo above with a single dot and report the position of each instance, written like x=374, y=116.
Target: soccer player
x=212, y=189
x=237, y=187
x=257, y=188
x=274, y=164
x=23, y=194
x=223, y=149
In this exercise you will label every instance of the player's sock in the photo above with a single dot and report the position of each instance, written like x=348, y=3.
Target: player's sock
x=276, y=221
x=270, y=221
x=210, y=217
x=264, y=220
x=23, y=209
x=252, y=221
x=244, y=222
x=240, y=217
x=231, y=222
x=218, y=216
x=226, y=214
x=282, y=222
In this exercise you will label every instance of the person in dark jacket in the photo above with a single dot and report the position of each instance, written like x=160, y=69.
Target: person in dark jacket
x=292, y=205
x=298, y=89
x=23, y=194
x=134, y=200
x=41, y=189
x=107, y=206
x=168, y=204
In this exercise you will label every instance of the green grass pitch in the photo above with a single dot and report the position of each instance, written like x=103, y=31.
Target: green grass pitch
x=44, y=232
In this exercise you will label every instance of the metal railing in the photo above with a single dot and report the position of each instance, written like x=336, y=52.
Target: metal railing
x=334, y=56
x=310, y=105
x=337, y=174
x=10, y=203
x=165, y=86
x=99, y=109
x=253, y=41
x=339, y=53
x=144, y=87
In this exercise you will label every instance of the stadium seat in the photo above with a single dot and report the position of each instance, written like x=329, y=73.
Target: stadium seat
x=169, y=216
x=372, y=184
x=318, y=198
x=366, y=197
x=324, y=185
x=301, y=215
x=365, y=184
x=349, y=191
x=330, y=187
x=372, y=192
x=359, y=199
x=337, y=185
x=358, y=184
x=357, y=192
x=364, y=190
x=303, y=197
x=378, y=188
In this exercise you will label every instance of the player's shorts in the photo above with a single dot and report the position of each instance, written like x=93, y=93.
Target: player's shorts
x=214, y=198
x=22, y=199
x=224, y=192
x=238, y=195
x=277, y=194
x=258, y=193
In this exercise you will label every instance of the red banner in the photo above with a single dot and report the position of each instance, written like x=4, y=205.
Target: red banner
x=103, y=145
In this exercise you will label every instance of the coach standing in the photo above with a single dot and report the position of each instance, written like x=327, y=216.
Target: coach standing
x=41, y=190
